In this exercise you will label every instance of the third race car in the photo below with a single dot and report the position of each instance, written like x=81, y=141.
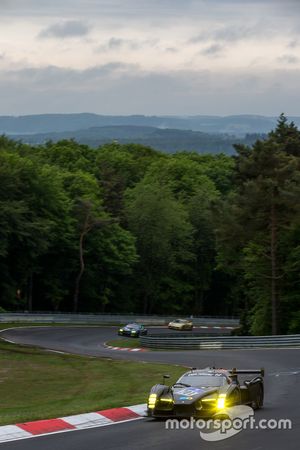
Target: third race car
x=181, y=324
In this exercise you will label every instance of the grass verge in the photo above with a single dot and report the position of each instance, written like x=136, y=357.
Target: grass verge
x=125, y=343
x=5, y=325
x=37, y=384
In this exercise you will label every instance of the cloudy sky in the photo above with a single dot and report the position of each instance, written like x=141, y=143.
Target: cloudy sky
x=150, y=56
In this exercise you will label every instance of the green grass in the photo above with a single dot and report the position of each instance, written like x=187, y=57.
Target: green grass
x=5, y=325
x=37, y=384
x=125, y=343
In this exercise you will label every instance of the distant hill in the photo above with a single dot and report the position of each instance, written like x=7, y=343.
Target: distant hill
x=168, y=140
x=238, y=125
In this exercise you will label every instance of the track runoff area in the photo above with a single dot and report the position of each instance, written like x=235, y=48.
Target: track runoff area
x=267, y=431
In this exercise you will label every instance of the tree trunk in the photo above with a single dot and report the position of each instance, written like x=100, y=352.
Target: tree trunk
x=145, y=303
x=29, y=291
x=81, y=271
x=199, y=300
x=274, y=300
x=88, y=224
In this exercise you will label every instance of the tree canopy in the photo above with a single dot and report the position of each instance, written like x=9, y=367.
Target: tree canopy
x=125, y=228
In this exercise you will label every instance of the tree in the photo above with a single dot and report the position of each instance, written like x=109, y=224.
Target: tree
x=33, y=207
x=202, y=213
x=264, y=207
x=163, y=240
x=185, y=176
x=87, y=221
x=119, y=167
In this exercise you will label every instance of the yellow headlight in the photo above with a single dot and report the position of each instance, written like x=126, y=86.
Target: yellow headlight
x=152, y=401
x=221, y=401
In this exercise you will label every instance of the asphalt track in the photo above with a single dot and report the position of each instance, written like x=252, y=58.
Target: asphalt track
x=282, y=396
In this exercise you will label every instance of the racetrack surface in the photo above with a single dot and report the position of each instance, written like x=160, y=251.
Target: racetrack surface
x=282, y=395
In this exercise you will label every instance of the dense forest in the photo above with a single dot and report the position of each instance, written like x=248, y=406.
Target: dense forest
x=125, y=228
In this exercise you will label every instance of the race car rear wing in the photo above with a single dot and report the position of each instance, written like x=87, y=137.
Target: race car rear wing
x=235, y=371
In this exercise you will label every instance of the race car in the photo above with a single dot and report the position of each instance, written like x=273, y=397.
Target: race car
x=132, y=330
x=181, y=324
x=206, y=393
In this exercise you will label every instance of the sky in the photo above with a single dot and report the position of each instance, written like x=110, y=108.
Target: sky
x=153, y=57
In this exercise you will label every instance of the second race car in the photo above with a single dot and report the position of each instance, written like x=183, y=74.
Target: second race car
x=133, y=330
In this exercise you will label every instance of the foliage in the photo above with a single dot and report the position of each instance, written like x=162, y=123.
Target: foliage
x=163, y=239
x=125, y=228
x=257, y=239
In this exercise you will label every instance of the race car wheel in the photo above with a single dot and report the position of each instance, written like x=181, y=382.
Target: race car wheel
x=259, y=401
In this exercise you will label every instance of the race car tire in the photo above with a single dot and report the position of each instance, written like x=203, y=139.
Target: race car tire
x=259, y=401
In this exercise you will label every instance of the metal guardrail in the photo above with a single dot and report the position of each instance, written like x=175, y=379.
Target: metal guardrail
x=185, y=342
x=90, y=319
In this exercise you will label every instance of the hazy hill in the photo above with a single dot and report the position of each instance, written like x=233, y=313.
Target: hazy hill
x=47, y=123
x=169, y=140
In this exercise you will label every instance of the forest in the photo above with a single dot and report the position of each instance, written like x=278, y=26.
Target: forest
x=126, y=228
x=168, y=140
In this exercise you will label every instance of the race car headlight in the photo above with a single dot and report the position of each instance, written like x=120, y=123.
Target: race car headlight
x=206, y=402
x=221, y=401
x=208, y=399
x=133, y=332
x=121, y=329
x=152, y=401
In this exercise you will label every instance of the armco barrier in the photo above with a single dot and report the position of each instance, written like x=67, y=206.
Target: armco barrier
x=194, y=342
x=90, y=319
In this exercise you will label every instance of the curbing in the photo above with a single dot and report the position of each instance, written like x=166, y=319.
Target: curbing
x=126, y=349
x=71, y=423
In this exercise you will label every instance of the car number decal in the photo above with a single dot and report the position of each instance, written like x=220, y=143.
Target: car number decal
x=190, y=392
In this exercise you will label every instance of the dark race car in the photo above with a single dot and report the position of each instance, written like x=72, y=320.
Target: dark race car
x=133, y=330
x=206, y=393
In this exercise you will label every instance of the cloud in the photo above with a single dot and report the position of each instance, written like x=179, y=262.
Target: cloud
x=53, y=77
x=228, y=34
x=116, y=43
x=163, y=37
x=171, y=50
x=119, y=88
x=66, y=29
x=288, y=59
x=213, y=50
x=234, y=34
x=294, y=43
x=145, y=9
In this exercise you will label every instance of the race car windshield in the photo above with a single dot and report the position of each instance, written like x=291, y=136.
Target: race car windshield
x=203, y=380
